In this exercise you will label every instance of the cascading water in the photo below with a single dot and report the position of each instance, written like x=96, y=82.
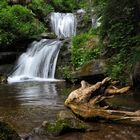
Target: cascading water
x=38, y=63
x=64, y=24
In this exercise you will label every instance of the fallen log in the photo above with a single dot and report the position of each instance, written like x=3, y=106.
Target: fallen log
x=86, y=103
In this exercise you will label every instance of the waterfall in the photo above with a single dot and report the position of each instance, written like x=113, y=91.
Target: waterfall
x=38, y=62
x=64, y=24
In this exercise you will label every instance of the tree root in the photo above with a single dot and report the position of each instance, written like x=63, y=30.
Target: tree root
x=86, y=103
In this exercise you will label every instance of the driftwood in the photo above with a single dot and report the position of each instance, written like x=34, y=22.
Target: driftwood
x=86, y=102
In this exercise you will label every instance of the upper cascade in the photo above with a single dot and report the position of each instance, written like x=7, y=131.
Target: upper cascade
x=39, y=62
x=64, y=24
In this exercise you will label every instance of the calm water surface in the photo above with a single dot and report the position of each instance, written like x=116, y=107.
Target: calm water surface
x=26, y=105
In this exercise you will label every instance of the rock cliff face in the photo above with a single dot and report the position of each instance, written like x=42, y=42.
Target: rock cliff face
x=64, y=59
x=9, y=55
x=84, y=21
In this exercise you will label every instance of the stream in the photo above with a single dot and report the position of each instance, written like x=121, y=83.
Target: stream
x=25, y=105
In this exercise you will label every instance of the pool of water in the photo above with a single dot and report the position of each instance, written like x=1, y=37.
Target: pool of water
x=26, y=105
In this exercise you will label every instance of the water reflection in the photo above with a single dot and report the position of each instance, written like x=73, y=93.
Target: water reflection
x=8, y=96
x=26, y=105
x=30, y=93
x=130, y=102
x=38, y=94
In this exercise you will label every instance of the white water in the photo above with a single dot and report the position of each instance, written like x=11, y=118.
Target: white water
x=96, y=22
x=64, y=24
x=38, y=63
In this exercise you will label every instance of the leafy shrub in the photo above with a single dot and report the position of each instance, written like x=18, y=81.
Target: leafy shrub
x=85, y=47
x=120, y=23
x=3, y=4
x=40, y=8
x=64, y=5
x=17, y=22
x=116, y=67
x=99, y=6
x=6, y=38
x=120, y=27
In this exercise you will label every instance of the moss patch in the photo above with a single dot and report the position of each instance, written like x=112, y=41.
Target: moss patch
x=7, y=133
x=60, y=127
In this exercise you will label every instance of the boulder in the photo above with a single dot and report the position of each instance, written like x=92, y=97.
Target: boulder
x=61, y=127
x=65, y=123
x=93, y=71
x=49, y=35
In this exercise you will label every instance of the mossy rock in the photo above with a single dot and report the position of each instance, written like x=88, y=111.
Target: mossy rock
x=60, y=127
x=92, y=72
x=64, y=125
x=49, y=35
x=7, y=133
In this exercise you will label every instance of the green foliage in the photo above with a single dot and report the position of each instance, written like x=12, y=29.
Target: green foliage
x=8, y=133
x=40, y=8
x=67, y=72
x=85, y=47
x=86, y=4
x=116, y=67
x=6, y=38
x=64, y=5
x=17, y=22
x=99, y=6
x=120, y=22
x=120, y=29
x=71, y=5
x=57, y=128
x=3, y=4
x=62, y=126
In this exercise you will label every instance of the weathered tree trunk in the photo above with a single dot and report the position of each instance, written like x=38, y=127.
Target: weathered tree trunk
x=86, y=103
x=83, y=94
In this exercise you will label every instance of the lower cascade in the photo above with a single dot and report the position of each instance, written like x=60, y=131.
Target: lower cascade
x=38, y=63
